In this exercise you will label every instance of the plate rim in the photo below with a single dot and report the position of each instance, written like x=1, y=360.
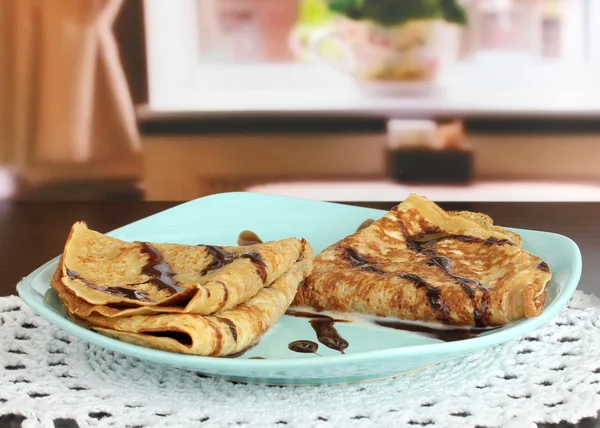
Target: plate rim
x=28, y=295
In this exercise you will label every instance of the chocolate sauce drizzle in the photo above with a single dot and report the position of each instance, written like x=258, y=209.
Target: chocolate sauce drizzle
x=231, y=325
x=358, y=261
x=220, y=258
x=259, y=263
x=159, y=270
x=126, y=293
x=423, y=244
x=323, y=326
x=433, y=293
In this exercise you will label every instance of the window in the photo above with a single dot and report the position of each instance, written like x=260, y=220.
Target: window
x=201, y=52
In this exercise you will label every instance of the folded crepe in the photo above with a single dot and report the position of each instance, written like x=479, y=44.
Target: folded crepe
x=201, y=300
x=119, y=278
x=419, y=262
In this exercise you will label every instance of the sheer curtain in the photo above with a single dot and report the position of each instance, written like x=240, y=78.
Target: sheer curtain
x=63, y=92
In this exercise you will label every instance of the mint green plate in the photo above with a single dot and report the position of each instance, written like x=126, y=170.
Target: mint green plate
x=374, y=352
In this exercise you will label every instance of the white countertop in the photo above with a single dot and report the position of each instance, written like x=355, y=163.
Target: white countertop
x=492, y=89
x=479, y=191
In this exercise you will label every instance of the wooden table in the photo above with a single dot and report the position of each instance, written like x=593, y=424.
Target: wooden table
x=33, y=233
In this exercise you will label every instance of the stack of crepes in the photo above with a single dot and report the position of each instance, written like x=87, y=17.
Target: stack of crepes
x=201, y=300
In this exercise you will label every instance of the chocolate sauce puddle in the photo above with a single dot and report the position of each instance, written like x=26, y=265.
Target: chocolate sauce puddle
x=368, y=222
x=303, y=346
x=446, y=334
x=323, y=326
x=543, y=266
x=247, y=237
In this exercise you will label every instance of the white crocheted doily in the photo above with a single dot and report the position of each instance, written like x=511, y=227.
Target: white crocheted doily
x=550, y=375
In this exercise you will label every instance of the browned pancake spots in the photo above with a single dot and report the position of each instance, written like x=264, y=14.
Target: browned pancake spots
x=231, y=325
x=358, y=261
x=247, y=237
x=220, y=258
x=126, y=293
x=323, y=326
x=543, y=266
x=159, y=270
x=259, y=263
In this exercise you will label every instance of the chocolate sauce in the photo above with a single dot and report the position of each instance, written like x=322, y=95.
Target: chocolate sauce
x=445, y=334
x=247, y=237
x=225, y=293
x=433, y=293
x=543, y=266
x=355, y=258
x=303, y=346
x=358, y=261
x=159, y=270
x=257, y=358
x=126, y=293
x=440, y=261
x=496, y=241
x=464, y=238
x=259, y=263
x=368, y=222
x=231, y=325
x=220, y=258
x=372, y=269
x=324, y=328
x=467, y=284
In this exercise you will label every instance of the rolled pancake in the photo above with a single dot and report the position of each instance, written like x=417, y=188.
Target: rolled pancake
x=421, y=263
x=226, y=333
x=119, y=278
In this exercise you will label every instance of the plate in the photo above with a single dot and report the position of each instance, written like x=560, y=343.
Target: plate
x=374, y=352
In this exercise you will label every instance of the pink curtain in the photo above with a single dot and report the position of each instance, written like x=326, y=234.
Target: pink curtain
x=63, y=93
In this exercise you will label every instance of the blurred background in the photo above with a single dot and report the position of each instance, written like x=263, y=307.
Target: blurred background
x=339, y=100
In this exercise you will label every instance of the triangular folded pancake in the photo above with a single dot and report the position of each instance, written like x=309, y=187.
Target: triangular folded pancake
x=223, y=334
x=118, y=278
x=421, y=263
